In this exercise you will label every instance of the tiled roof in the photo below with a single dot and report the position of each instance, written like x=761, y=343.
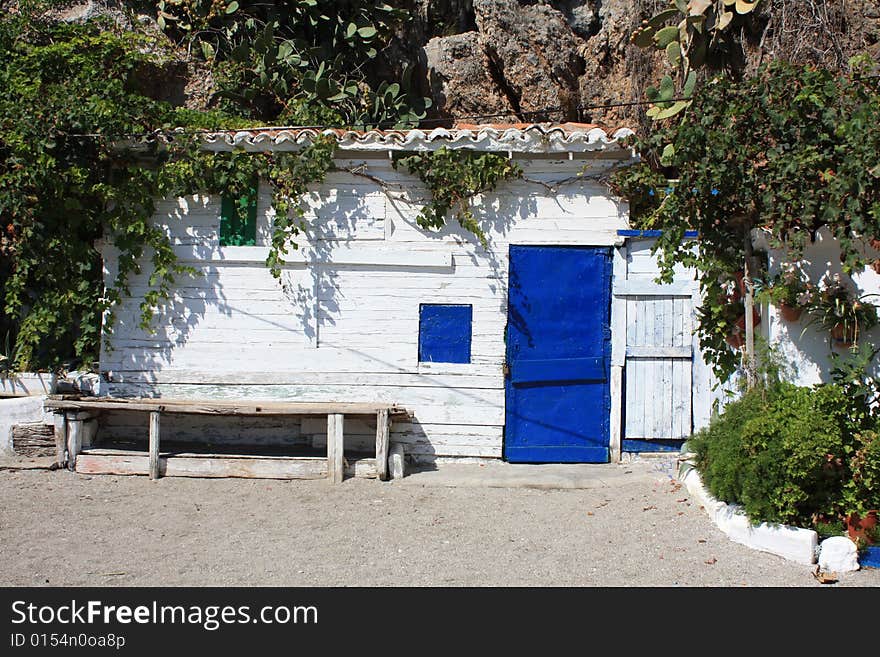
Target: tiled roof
x=517, y=137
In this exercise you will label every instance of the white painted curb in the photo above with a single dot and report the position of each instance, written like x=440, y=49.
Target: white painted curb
x=17, y=410
x=29, y=384
x=792, y=543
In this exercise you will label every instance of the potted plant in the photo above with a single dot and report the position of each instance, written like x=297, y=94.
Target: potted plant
x=732, y=316
x=789, y=290
x=837, y=308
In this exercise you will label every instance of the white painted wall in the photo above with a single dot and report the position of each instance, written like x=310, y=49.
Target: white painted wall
x=28, y=384
x=806, y=349
x=343, y=322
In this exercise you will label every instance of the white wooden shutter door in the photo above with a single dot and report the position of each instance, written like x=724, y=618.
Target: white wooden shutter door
x=658, y=366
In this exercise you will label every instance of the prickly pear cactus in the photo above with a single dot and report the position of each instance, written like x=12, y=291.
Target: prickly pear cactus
x=689, y=32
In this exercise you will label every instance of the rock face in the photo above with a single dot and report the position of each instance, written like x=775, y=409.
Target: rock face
x=557, y=60
x=459, y=79
x=531, y=60
x=524, y=61
x=533, y=56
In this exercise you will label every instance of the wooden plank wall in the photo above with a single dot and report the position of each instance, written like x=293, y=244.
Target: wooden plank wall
x=659, y=349
x=330, y=332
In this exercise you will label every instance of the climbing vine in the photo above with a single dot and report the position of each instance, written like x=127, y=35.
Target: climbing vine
x=454, y=178
x=61, y=188
x=85, y=151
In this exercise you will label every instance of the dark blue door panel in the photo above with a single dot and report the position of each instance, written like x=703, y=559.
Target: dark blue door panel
x=558, y=354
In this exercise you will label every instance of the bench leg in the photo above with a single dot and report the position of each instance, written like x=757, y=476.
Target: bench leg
x=154, y=444
x=335, y=463
x=383, y=428
x=78, y=431
x=60, y=439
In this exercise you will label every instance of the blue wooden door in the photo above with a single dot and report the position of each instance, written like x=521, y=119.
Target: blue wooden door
x=558, y=355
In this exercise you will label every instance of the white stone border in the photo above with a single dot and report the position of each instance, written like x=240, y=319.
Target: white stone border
x=792, y=543
x=29, y=384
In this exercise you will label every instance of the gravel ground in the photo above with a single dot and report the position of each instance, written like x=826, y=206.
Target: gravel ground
x=59, y=528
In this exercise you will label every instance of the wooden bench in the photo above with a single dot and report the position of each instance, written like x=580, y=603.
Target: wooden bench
x=75, y=426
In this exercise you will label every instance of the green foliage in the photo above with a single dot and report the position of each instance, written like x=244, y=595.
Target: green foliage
x=861, y=492
x=59, y=192
x=395, y=105
x=724, y=312
x=835, y=307
x=78, y=163
x=788, y=151
x=454, y=177
x=785, y=453
x=829, y=528
x=644, y=187
x=290, y=175
x=851, y=372
x=84, y=150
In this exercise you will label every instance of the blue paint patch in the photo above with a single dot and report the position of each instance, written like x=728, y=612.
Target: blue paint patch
x=869, y=557
x=688, y=234
x=558, y=353
x=445, y=333
x=654, y=445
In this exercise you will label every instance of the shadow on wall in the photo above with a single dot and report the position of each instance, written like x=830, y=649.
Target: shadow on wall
x=232, y=319
x=223, y=304
x=130, y=430
x=420, y=447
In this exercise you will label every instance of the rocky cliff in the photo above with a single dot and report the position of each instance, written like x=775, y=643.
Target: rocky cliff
x=560, y=59
x=533, y=60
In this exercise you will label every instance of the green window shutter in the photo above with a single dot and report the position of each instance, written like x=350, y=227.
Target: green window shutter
x=238, y=219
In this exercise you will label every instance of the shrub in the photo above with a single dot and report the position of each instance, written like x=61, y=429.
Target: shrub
x=862, y=489
x=782, y=452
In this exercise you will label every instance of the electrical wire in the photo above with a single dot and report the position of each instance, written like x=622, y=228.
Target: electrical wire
x=382, y=125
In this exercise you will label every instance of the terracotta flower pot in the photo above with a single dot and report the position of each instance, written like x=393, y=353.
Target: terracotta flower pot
x=790, y=313
x=735, y=339
x=741, y=322
x=842, y=335
x=858, y=527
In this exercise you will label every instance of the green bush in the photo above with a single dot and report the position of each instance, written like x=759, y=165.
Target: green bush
x=862, y=490
x=785, y=453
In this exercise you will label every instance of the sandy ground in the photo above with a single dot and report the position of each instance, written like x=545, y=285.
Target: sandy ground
x=59, y=528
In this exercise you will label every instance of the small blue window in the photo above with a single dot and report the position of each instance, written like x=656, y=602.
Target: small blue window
x=445, y=333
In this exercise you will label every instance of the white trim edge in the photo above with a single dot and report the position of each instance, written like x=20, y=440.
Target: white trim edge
x=792, y=543
x=403, y=256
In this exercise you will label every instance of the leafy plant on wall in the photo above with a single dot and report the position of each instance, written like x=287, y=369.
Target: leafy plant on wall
x=787, y=152
x=81, y=157
x=454, y=178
